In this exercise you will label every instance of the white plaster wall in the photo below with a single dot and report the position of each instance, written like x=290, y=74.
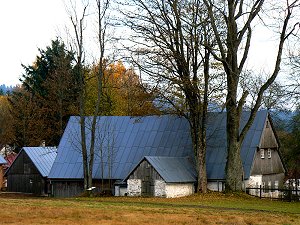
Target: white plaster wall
x=123, y=191
x=254, y=182
x=213, y=186
x=117, y=190
x=159, y=188
x=179, y=190
x=134, y=187
x=120, y=191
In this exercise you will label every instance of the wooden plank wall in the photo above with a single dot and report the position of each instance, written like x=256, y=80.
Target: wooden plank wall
x=73, y=188
x=24, y=177
x=266, y=165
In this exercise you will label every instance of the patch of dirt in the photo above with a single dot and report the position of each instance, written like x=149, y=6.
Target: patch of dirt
x=15, y=195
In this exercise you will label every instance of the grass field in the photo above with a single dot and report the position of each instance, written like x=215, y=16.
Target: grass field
x=207, y=209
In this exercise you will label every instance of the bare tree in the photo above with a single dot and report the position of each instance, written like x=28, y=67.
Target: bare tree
x=105, y=139
x=78, y=28
x=275, y=97
x=239, y=16
x=168, y=46
x=79, y=23
x=292, y=86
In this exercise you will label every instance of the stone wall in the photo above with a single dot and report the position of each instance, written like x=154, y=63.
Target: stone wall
x=134, y=187
x=179, y=190
x=159, y=188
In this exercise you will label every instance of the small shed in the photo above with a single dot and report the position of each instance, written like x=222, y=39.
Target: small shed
x=2, y=163
x=29, y=171
x=160, y=176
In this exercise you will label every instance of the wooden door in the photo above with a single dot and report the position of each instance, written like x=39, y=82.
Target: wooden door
x=146, y=184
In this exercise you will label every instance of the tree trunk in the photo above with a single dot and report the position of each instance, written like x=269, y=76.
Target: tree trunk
x=84, y=152
x=234, y=167
x=202, y=177
x=199, y=147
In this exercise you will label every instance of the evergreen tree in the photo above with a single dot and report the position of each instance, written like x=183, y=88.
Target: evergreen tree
x=47, y=97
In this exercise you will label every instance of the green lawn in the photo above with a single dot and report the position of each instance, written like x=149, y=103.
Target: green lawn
x=213, y=208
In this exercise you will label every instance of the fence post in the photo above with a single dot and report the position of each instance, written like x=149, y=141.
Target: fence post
x=296, y=184
x=290, y=193
x=259, y=191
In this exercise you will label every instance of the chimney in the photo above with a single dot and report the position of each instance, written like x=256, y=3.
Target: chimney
x=43, y=144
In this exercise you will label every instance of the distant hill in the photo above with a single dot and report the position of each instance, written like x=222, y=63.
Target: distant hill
x=5, y=89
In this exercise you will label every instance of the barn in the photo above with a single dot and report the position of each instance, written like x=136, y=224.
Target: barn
x=162, y=177
x=121, y=143
x=2, y=163
x=127, y=146
x=29, y=171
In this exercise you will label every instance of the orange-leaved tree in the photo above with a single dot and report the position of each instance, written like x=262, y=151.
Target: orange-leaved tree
x=123, y=92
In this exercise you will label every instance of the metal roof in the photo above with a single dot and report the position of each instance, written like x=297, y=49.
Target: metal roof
x=125, y=141
x=2, y=160
x=216, y=156
x=42, y=158
x=173, y=169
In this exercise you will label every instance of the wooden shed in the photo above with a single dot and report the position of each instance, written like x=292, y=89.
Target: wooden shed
x=162, y=177
x=29, y=171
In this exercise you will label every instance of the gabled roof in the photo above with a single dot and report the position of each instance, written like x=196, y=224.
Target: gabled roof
x=172, y=169
x=216, y=156
x=41, y=157
x=2, y=160
x=126, y=140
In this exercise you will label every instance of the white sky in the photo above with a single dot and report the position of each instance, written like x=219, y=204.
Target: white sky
x=27, y=25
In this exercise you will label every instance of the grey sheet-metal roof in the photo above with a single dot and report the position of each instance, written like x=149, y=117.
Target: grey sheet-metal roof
x=173, y=169
x=217, y=144
x=2, y=160
x=126, y=140
x=42, y=158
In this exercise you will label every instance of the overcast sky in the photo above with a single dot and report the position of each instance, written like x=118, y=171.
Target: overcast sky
x=27, y=25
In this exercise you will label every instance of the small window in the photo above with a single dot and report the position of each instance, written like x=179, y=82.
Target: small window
x=269, y=153
x=269, y=185
x=262, y=153
x=276, y=184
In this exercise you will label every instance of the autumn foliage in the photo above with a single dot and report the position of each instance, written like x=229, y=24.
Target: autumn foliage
x=122, y=93
x=39, y=109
